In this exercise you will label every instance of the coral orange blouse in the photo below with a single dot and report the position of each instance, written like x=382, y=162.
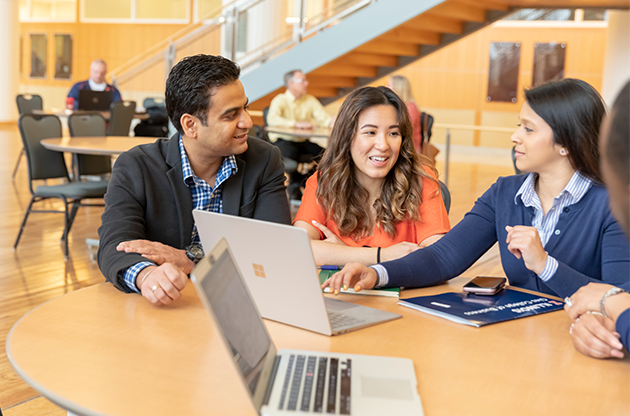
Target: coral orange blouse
x=432, y=211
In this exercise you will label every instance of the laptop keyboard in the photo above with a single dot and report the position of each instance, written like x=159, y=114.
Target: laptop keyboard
x=317, y=384
x=339, y=320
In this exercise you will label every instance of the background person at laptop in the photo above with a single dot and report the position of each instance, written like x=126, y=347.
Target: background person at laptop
x=373, y=198
x=148, y=239
x=96, y=82
x=593, y=333
x=554, y=227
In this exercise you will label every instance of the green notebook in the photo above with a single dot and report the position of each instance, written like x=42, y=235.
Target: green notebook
x=392, y=292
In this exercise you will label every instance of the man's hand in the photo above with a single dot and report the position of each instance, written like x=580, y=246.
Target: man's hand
x=354, y=275
x=161, y=285
x=305, y=125
x=594, y=335
x=524, y=242
x=159, y=253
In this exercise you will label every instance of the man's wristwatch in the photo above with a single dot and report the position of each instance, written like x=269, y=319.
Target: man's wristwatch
x=602, y=303
x=194, y=253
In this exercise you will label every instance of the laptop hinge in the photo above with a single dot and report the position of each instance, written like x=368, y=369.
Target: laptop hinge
x=272, y=379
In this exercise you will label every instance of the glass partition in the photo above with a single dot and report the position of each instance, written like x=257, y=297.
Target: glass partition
x=63, y=56
x=39, y=55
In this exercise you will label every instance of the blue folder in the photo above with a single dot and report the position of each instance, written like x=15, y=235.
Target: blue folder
x=479, y=310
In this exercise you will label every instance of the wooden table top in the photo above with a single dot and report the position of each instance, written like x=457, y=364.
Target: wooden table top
x=61, y=112
x=316, y=132
x=105, y=145
x=100, y=351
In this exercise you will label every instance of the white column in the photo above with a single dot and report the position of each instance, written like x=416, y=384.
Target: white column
x=617, y=59
x=9, y=43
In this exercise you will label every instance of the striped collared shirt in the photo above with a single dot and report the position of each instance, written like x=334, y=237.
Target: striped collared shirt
x=546, y=223
x=204, y=196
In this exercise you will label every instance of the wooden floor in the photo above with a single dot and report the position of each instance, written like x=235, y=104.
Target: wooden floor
x=36, y=272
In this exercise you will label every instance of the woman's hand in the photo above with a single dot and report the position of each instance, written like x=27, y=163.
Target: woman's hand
x=524, y=242
x=398, y=250
x=330, y=236
x=354, y=275
x=595, y=336
x=586, y=299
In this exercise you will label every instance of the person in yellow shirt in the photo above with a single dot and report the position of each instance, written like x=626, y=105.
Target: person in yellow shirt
x=297, y=109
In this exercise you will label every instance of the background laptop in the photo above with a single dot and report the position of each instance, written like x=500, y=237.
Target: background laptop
x=290, y=381
x=277, y=263
x=95, y=100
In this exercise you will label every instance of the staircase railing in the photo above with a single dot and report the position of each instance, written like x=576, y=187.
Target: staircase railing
x=250, y=32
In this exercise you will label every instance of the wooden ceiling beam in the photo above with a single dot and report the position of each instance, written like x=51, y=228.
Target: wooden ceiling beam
x=460, y=11
x=365, y=58
x=323, y=91
x=487, y=4
x=331, y=81
x=346, y=70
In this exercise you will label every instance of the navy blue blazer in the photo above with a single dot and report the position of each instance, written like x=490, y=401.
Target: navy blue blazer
x=588, y=244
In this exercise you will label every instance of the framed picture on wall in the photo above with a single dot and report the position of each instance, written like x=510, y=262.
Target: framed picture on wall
x=505, y=58
x=63, y=56
x=548, y=62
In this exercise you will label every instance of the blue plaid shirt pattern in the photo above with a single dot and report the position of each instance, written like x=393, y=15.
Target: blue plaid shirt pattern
x=204, y=196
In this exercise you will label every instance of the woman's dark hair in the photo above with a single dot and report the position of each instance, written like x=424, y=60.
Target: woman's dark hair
x=339, y=192
x=574, y=110
x=618, y=145
x=191, y=84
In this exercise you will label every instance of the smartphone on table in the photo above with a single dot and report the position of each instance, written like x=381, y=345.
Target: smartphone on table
x=484, y=285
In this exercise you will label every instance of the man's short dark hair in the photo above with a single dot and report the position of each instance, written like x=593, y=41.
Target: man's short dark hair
x=289, y=76
x=618, y=144
x=191, y=84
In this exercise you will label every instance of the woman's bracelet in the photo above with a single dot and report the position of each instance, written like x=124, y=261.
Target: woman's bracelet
x=602, y=303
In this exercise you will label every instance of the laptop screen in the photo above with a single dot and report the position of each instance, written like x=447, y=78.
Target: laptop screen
x=236, y=316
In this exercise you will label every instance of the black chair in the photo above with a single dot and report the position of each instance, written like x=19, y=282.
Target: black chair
x=26, y=103
x=426, y=126
x=122, y=113
x=47, y=164
x=89, y=125
x=517, y=170
x=446, y=196
x=153, y=102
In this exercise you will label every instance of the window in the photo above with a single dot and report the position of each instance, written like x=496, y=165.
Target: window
x=63, y=56
x=48, y=10
x=39, y=55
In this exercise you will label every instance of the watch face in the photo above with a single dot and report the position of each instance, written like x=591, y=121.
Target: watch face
x=194, y=253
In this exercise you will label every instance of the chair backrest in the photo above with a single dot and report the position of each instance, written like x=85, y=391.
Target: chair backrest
x=26, y=103
x=426, y=126
x=90, y=125
x=446, y=196
x=42, y=163
x=265, y=112
x=517, y=170
x=122, y=113
x=83, y=125
x=153, y=102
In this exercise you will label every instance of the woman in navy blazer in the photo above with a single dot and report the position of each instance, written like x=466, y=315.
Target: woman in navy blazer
x=554, y=227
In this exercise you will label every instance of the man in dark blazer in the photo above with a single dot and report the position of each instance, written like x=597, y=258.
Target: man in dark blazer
x=148, y=240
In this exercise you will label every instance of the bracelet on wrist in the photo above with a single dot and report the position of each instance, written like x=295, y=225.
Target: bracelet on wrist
x=145, y=277
x=612, y=292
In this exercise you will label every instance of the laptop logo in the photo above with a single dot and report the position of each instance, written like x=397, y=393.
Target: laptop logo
x=259, y=270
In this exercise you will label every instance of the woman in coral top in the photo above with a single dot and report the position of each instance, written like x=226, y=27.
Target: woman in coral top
x=373, y=198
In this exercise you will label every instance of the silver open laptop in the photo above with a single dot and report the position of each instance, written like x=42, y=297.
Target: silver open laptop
x=277, y=263
x=290, y=381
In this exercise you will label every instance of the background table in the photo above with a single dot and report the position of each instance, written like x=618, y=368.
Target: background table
x=316, y=135
x=100, y=351
x=59, y=112
x=106, y=145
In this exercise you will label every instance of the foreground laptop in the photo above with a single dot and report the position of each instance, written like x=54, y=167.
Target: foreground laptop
x=277, y=263
x=290, y=381
x=95, y=100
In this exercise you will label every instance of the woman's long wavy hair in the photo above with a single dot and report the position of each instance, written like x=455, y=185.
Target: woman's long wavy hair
x=344, y=199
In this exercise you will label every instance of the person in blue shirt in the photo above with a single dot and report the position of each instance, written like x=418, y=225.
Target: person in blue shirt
x=601, y=312
x=96, y=82
x=553, y=225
